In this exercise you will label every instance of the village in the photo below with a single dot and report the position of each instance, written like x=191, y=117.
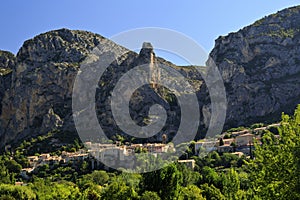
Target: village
x=239, y=143
x=95, y=153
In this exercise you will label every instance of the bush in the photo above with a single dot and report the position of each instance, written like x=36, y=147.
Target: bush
x=16, y=192
x=149, y=195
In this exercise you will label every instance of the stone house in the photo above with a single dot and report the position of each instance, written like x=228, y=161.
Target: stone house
x=245, y=139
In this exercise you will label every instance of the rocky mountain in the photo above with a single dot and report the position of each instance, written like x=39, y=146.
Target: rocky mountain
x=260, y=65
x=261, y=69
x=37, y=85
x=41, y=76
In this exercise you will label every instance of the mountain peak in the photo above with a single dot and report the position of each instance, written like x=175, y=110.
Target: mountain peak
x=58, y=45
x=147, y=53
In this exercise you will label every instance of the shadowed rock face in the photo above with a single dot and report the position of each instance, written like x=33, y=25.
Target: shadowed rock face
x=7, y=64
x=260, y=65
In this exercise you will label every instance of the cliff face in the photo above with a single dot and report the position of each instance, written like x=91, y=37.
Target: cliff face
x=260, y=65
x=37, y=84
x=38, y=91
x=7, y=64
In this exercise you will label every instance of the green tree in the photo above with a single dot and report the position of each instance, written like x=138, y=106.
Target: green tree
x=13, y=166
x=41, y=189
x=190, y=192
x=47, y=190
x=214, y=159
x=231, y=184
x=166, y=181
x=5, y=175
x=92, y=192
x=96, y=177
x=65, y=190
x=210, y=176
x=211, y=192
x=244, y=180
x=171, y=179
x=131, y=179
x=6, y=197
x=149, y=195
x=118, y=190
x=229, y=160
x=17, y=192
x=275, y=171
x=189, y=176
x=77, y=144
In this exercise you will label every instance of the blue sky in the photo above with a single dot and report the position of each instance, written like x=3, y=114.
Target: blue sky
x=203, y=20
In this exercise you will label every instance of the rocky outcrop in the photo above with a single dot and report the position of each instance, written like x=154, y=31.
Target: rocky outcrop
x=260, y=66
x=42, y=74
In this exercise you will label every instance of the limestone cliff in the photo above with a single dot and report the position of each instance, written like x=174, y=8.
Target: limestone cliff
x=37, y=99
x=260, y=65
